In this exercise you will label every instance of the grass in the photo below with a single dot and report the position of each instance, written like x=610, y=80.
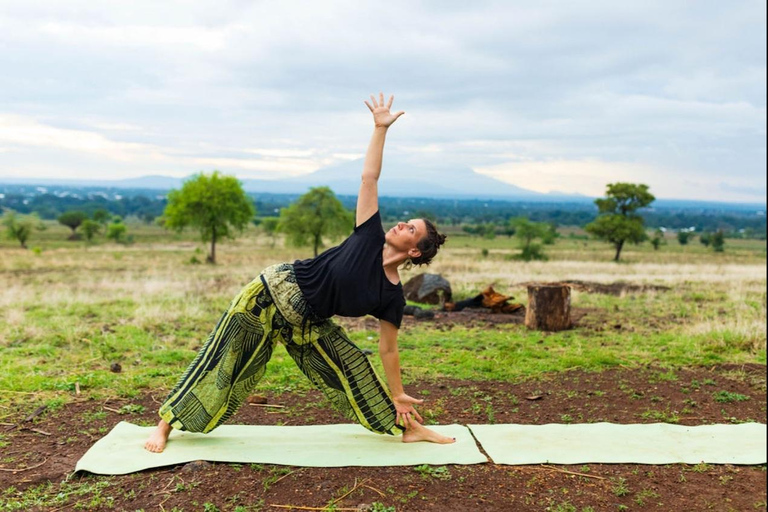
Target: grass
x=69, y=311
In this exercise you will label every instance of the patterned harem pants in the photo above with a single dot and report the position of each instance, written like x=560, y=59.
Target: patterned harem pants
x=272, y=309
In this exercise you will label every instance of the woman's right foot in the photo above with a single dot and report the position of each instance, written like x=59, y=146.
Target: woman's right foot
x=415, y=432
x=158, y=438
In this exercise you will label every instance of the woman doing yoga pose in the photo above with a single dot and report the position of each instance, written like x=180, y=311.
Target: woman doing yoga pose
x=293, y=303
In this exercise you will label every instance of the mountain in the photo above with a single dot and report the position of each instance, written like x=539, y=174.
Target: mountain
x=400, y=179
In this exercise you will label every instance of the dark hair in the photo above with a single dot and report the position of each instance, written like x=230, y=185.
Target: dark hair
x=428, y=245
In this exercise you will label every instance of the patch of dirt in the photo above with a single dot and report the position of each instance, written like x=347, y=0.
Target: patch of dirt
x=622, y=395
x=617, y=288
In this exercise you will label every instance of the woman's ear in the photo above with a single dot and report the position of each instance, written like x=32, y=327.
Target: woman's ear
x=414, y=253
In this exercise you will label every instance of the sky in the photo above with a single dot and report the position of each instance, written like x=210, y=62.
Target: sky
x=549, y=96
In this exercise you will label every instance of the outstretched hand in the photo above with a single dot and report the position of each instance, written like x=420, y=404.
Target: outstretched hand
x=405, y=411
x=381, y=114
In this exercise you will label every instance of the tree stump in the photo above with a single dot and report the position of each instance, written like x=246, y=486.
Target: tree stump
x=549, y=307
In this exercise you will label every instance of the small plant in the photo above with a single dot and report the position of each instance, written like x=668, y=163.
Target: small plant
x=377, y=506
x=644, y=495
x=132, y=409
x=566, y=418
x=438, y=473
x=726, y=397
x=619, y=487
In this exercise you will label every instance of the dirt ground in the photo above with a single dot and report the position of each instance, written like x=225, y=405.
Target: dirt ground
x=44, y=450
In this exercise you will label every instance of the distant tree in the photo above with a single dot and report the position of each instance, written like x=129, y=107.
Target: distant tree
x=72, y=219
x=718, y=240
x=550, y=233
x=683, y=236
x=20, y=227
x=101, y=216
x=90, y=228
x=705, y=239
x=314, y=216
x=489, y=230
x=658, y=239
x=527, y=233
x=216, y=205
x=270, y=226
x=618, y=221
x=116, y=231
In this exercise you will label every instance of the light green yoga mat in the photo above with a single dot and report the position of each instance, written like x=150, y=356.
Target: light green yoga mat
x=122, y=450
x=657, y=443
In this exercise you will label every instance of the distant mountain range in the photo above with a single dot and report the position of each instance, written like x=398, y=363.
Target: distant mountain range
x=398, y=179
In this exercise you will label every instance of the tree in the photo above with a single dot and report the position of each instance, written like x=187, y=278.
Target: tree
x=101, y=216
x=718, y=241
x=90, y=228
x=270, y=226
x=116, y=231
x=315, y=215
x=617, y=221
x=72, y=219
x=214, y=204
x=658, y=239
x=20, y=227
x=705, y=239
x=527, y=232
x=683, y=236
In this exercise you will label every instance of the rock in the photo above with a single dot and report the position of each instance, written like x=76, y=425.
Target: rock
x=428, y=289
x=195, y=466
x=410, y=310
x=426, y=314
x=115, y=368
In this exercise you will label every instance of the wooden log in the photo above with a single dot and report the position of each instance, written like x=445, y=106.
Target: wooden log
x=549, y=307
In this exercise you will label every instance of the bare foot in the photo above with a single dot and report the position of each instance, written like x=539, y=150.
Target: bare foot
x=416, y=432
x=156, y=441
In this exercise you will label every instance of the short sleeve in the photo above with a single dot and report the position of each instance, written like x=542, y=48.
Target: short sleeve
x=371, y=227
x=393, y=311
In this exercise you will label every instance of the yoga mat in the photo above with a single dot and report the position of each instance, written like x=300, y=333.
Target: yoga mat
x=656, y=443
x=122, y=450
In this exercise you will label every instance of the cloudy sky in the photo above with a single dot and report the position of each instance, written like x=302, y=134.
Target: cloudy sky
x=549, y=96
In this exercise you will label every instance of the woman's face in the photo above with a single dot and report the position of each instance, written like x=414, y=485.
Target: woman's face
x=405, y=235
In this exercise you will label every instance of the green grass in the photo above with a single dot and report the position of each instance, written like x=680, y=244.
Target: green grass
x=69, y=311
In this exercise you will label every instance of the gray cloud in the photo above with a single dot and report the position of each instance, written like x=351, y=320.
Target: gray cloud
x=671, y=86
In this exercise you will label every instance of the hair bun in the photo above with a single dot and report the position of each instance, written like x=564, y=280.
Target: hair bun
x=440, y=239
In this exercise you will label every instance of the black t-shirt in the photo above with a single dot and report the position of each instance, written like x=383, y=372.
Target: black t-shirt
x=349, y=279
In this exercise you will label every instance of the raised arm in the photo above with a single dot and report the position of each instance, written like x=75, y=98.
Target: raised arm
x=390, y=359
x=368, y=198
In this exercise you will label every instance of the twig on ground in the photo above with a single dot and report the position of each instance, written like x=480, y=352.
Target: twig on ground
x=353, y=489
x=35, y=414
x=36, y=430
x=110, y=409
x=23, y=469
x=289, y=474
x=550, y=468
x=376, y=490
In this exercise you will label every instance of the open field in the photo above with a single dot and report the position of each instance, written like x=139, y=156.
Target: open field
x=68, y=311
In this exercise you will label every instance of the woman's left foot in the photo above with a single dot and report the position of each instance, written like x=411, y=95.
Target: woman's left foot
x=417, y=432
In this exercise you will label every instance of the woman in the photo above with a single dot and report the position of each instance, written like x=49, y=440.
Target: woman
x=292, y=303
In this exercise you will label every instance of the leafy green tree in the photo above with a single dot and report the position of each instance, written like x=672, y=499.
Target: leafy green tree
x=101, y=216
x=316, y=215
x=527, y=233
x=214, y=204
x=683, y=236
x=116, y=231
x=705, y=239
x=20, y=227
x=72, y=219
x=718, y=241
x=270, y=226
x=90, y=228
x=618, y=221
x=658, y=239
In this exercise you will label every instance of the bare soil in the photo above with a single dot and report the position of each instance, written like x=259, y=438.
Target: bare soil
x=46, y=448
